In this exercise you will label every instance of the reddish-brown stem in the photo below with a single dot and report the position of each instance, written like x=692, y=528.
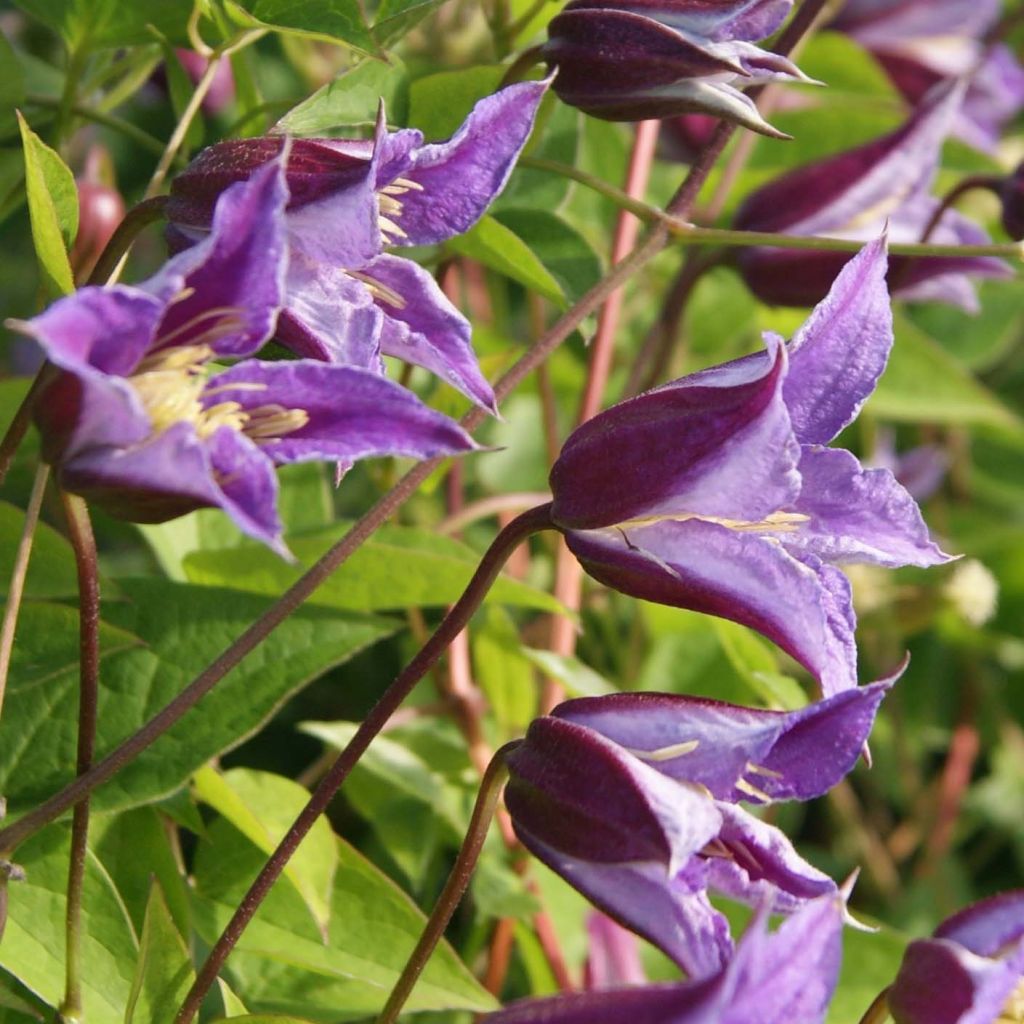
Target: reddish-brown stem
x=499, y=955
x=515, y=533
x=84, y=545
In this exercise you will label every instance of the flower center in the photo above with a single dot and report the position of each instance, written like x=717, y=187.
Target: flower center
x=390, y=208
x=1013, y=1011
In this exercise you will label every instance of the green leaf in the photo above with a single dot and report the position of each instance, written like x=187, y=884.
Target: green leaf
x=164, y=972
x=86, y=24
x=262, y=806
x=491, y=243
x=580, y=680
x=925, y=384
x=12, y=87
x=757, y=663
x=233, y=1006
x=438, y=104
x=184, y=628
x=53, y=209
x=262, y=1018
x=399, y=567
x=336, y=20
x=504, y=674
x=51, y=569
x=396, y=17
x=34, y=941
x=351, y=100
x=282, y=963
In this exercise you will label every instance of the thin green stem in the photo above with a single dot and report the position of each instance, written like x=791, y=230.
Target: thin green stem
x=18, y=574
x=66, y=103
x=454, y=622
x=878, y=1011
x=117, y=124
x=84, y=545
x=458, y=881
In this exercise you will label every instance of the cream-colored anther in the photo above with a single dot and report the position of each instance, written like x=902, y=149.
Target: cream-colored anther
x=777, y=522
x=271, y=422
x=665, y=753
x=389, y=227
x=751, y=790
x=759, y=769
x=1013, y=1011
x=381, y=291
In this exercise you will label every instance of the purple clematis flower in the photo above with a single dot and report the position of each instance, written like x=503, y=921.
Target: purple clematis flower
x=633, y=799
x=346, y=299
x=723, y=498
x=783, y=977
x=137, y=425
x=856, y=195
x=626, y=60
x=922, y=42
x=970, y=972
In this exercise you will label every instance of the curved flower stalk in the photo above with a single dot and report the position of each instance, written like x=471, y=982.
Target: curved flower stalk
x=628, y=60
x=347, y=300
x=724, y=499
x=1011, y=194
x=136, y=422
x=971, y=971
x=634, y=799
x=882, y=185
x=781, y=977
x=920, y=43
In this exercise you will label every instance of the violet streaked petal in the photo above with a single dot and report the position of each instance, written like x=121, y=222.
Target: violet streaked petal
x=351, y=414
x=330, y=316
x=717, y=443
x=427, y=329
x=879, y=22
x=989, y=926
x=672, y=912
x=787, y=755
x=717, y=20
x=942, y=982
x=248, y=488
x=460, y=177
x=763, y=867
x=838, y=355
x=995, y=95
x=801, y=605
x=234, y=279
x=858, y=515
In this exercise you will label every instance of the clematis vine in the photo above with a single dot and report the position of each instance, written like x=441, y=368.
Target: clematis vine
x=884, y=184
x=138, y=424
x=627, y=60
x=634, y=799
x=346, y=299
x=782, y=977
x=971, y=971
x=723, y=498
x=920, y=43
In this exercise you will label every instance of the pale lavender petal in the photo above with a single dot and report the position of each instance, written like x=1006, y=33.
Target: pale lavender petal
x=762, y=867
x=858, y=515
x=461, y=177
x=331, y=316
x=717, y=443
x=880, y=22
x=995, y=95
x=786, y=755
x=248, y=488
x=728, y=20
x=801, y=604
x=426, y=329
x=989, y=926
x=352, y=414
x=838, y=355
x=234, y=284
x=613, y=954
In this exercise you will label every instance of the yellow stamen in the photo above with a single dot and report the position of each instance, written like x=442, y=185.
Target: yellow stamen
x=759, y=769
x=665, y=753
x=225, y=320
x=751, y=790
x=777, y=522
x=389, y=205
x=1013, y=1011
x=407, y=184
x=389, y=227
x=382, y=291
x=269, y=422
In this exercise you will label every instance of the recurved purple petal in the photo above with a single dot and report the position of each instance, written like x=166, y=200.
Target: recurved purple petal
x=460, y=178
x=988, y=927
x=716, y=443
x=234, y=279
x=759, y=866
x=350, y=414
x=802, y=605
x=858, y=515
x=330, y=315
x=421, y=326
x=737, y=752
x=715, y=20
x=838, y=355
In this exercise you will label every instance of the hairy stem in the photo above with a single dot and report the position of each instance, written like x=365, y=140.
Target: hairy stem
x=505, y=543
x=483, y=811
x=18, y=574
x=84, y=544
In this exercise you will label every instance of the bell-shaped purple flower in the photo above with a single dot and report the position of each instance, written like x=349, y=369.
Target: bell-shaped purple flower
x=971, y=971
x=627, y=60
x=347, y=300
x=716, y=493
x=141, y=422
x=920, y=43
x=781, y=977
x=882, y=185
x=633, y=799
